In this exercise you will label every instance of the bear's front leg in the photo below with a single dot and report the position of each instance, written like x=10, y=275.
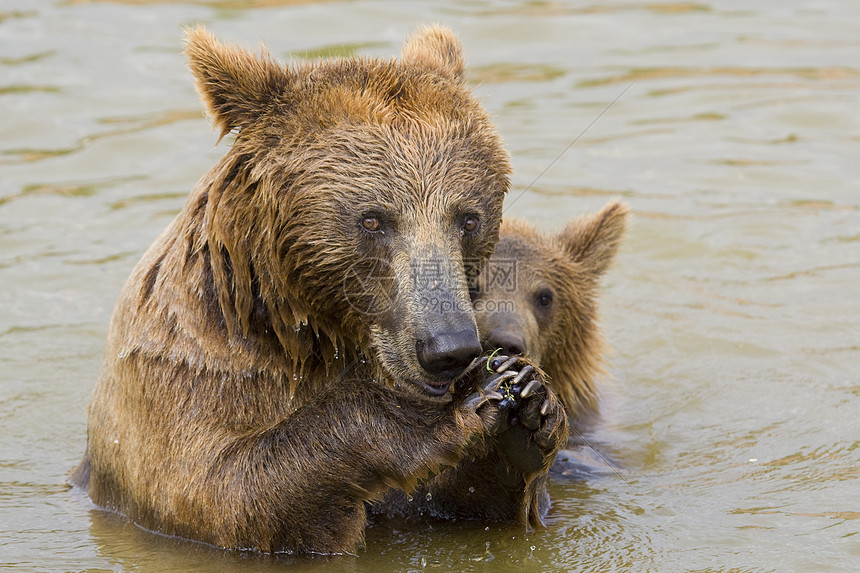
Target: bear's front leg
x=502, y=476
x=301, y=486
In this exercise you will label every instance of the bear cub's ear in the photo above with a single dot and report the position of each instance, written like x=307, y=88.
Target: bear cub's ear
x=435, y=48
x=593, y=240
x=234, y=84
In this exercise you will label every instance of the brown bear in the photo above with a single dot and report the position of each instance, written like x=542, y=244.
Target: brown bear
x=538, y=298
x=272, y=367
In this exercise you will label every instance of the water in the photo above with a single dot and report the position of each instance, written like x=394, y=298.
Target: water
x=730, y=128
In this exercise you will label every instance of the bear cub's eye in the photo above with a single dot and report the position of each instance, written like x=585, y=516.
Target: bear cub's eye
x=543, y=298
x=471, y=224
x=371, y=224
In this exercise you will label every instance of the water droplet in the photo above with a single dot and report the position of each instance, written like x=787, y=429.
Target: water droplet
x=409, y=498
x=471, y=489
x=429, y=496
x=423, y=562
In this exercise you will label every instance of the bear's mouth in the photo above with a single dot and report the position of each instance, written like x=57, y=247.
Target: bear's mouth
x=435, y=388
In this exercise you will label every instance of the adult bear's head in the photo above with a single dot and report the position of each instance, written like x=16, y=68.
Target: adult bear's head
x=355, y=200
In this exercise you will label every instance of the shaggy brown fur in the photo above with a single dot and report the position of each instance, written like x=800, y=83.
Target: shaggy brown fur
x=551, y=297
x=272, y=363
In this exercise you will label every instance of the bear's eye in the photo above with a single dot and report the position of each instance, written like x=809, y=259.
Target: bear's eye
x=543, y=298
x=471, y=225
x=371, y=224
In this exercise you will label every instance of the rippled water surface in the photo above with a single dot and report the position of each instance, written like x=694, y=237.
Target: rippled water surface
x=731, y=129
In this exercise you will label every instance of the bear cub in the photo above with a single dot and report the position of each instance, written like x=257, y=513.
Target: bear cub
x=538, y=298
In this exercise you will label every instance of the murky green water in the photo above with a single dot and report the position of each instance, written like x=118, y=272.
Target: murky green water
x=733, y=308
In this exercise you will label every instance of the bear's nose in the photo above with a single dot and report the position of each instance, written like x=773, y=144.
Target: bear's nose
x=448, y=353
x=511, y=343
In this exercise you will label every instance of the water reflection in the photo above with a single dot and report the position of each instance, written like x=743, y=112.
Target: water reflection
x=130, y=548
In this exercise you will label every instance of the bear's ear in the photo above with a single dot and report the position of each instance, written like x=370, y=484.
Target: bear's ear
x=235, y=85
x=593, y=240
x=435, y=48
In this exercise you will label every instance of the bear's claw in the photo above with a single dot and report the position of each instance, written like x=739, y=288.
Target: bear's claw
x=523, y=373
x=476, y=364
x=532, y=386
x=478, y=399
x=503, y=366
x=487, y=391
